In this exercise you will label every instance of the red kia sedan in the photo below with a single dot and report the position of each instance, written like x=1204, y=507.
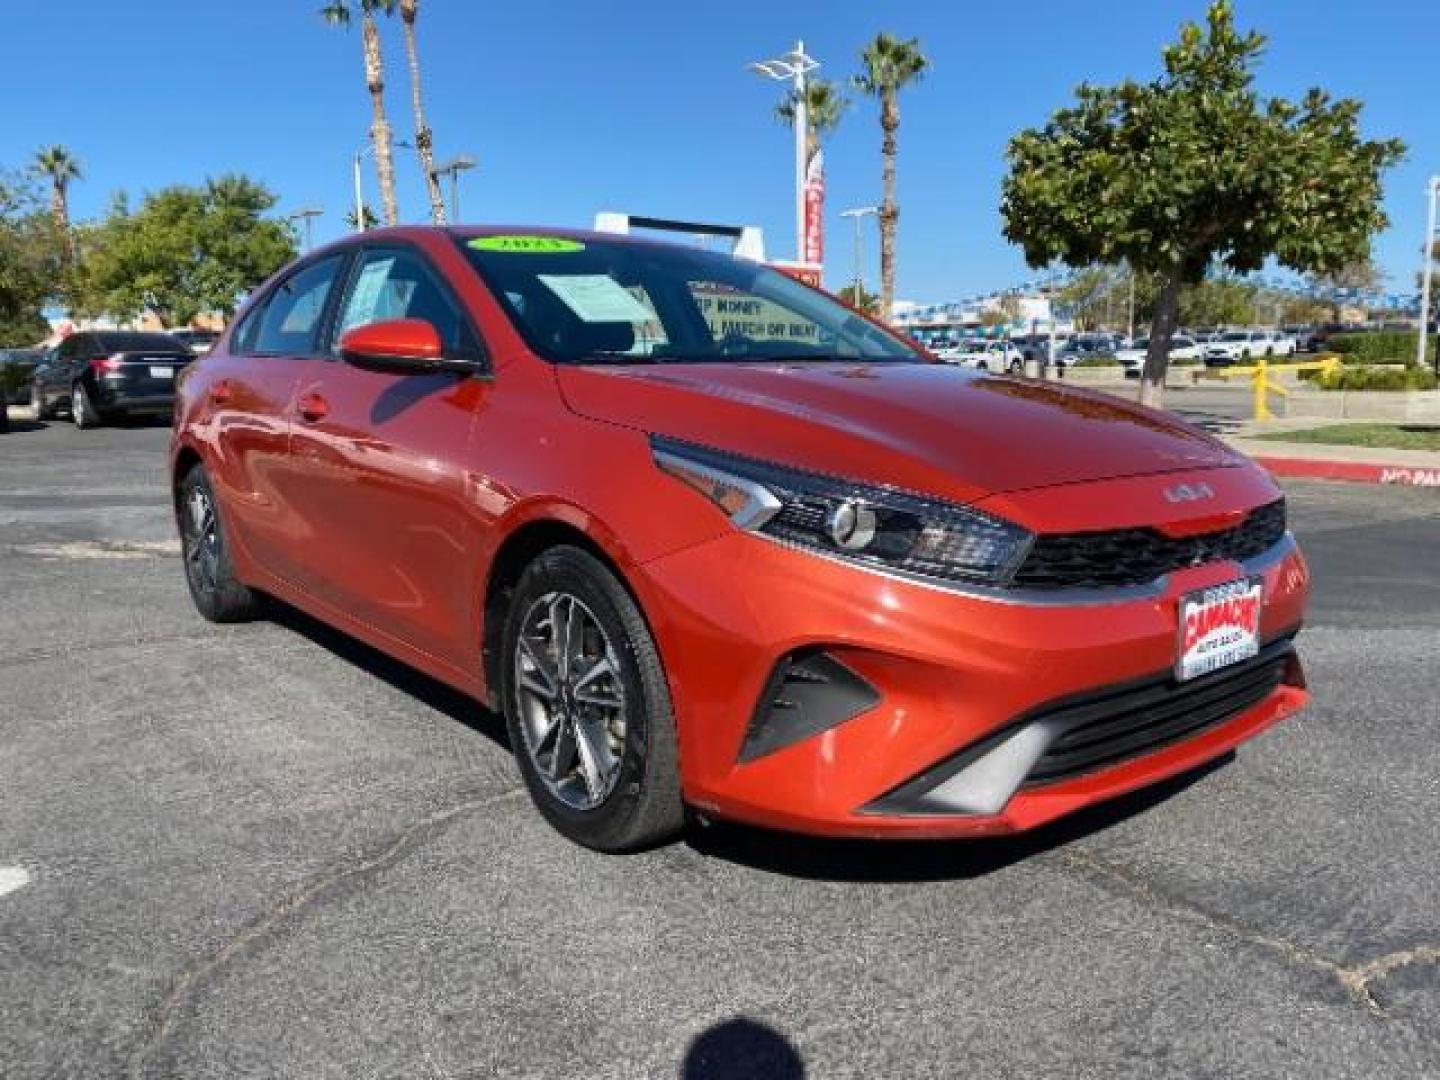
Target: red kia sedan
x=711, y=540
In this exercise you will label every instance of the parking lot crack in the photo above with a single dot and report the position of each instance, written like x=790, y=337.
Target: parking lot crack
x=291, y=905
x=1360, y=981
x=1356, y=980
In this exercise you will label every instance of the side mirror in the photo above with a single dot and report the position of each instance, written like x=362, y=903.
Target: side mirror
x=401, y=345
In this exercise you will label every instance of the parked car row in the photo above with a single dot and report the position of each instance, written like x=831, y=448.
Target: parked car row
x=983, y=355
x=1183, y=348
x=1242, y=346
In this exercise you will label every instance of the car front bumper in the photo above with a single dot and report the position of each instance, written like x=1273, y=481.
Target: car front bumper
x=954, y=676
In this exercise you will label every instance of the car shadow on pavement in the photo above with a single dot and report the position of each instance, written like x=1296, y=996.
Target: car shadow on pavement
x=421, y=687
x=19, y=427
x=824, y=859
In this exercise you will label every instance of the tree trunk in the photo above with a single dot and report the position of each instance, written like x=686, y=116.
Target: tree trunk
x=889, y=210
x=424, y=144
x=1162, y=330
x=379, y=126
x=59, y=210
x=60, y=215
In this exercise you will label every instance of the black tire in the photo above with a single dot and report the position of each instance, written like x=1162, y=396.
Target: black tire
x=1017, y=367
x=218, y=594
x=643, y=807
x=82, y=408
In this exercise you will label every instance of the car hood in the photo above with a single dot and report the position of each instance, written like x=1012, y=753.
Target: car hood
x=932, y=428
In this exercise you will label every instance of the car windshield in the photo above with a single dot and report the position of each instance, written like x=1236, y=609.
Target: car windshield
x=578, y=301
x=1235, y=335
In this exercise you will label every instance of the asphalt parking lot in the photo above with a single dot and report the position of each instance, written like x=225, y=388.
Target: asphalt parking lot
x=266, y=851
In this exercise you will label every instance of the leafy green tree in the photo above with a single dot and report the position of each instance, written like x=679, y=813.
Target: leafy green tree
x=338, y=13
x=1005, y=312
x=1361, y=273
x=1219, y=301
x=1434, y=281
x=187, y=250
x=32, y=257
x=1090, y=295
x=889, y=65
x=1303, y=309
x=370, y=220
x=865, y=301
x=1195, y=170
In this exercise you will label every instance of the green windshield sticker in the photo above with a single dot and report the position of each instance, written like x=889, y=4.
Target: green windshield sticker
x=530, y=245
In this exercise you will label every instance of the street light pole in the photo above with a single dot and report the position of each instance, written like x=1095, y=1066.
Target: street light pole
x=1427, y=270
x=453, y=168
x=355, y=160
x=359, y=197
x=306, y=214
x=802, y=126
x=856, y=215
x=1050, y=345
x=793, y=67
x=1130, y=328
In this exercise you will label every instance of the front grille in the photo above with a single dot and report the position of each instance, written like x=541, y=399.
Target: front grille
x=1115, y=559
x=1105, y=729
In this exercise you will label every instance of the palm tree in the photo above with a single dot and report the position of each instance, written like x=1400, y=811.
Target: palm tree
x=824, y=106
x=370, y=220
x=337, y=13
x=60, y=167
x=424, y=145
x=890, y=65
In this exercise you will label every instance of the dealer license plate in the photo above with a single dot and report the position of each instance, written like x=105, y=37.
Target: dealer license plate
x=1219, y=626
x=157, y=372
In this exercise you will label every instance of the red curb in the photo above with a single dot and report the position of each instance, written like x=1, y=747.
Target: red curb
x=1364, y=472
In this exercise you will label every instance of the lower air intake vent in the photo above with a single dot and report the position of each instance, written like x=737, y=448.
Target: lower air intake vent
x=809, y=692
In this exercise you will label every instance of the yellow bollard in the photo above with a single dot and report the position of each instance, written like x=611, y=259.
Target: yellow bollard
x=1262, y=404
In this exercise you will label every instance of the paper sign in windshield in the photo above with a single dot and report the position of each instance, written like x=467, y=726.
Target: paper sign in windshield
x=531, y=245
x=366, y=296
x=597, y=298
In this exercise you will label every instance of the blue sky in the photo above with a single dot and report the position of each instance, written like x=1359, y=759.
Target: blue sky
x=573, y=107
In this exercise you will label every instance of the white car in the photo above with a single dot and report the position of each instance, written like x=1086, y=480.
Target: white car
x=1181, y=348
x=1243, y=346
x=984, y=355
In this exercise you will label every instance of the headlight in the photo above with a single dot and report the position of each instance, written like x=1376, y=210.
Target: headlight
x=873, y=526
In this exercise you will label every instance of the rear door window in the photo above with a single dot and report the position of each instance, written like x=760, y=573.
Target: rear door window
x=293, y=317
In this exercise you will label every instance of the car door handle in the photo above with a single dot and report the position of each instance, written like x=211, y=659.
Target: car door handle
x=312, y=408
x=221, y=393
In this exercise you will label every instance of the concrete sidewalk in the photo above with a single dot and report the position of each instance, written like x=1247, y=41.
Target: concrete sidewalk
x=1414, y=468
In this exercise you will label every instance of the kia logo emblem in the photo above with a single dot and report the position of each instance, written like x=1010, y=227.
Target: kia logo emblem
x=1189, y=493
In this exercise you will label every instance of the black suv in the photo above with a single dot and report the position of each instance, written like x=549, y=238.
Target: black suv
x=102, y=374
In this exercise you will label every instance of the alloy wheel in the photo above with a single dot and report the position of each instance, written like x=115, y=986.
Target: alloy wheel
x=571, y=700
x=202, y=540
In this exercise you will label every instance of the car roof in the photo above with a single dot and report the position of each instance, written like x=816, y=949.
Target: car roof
x=462, y=233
